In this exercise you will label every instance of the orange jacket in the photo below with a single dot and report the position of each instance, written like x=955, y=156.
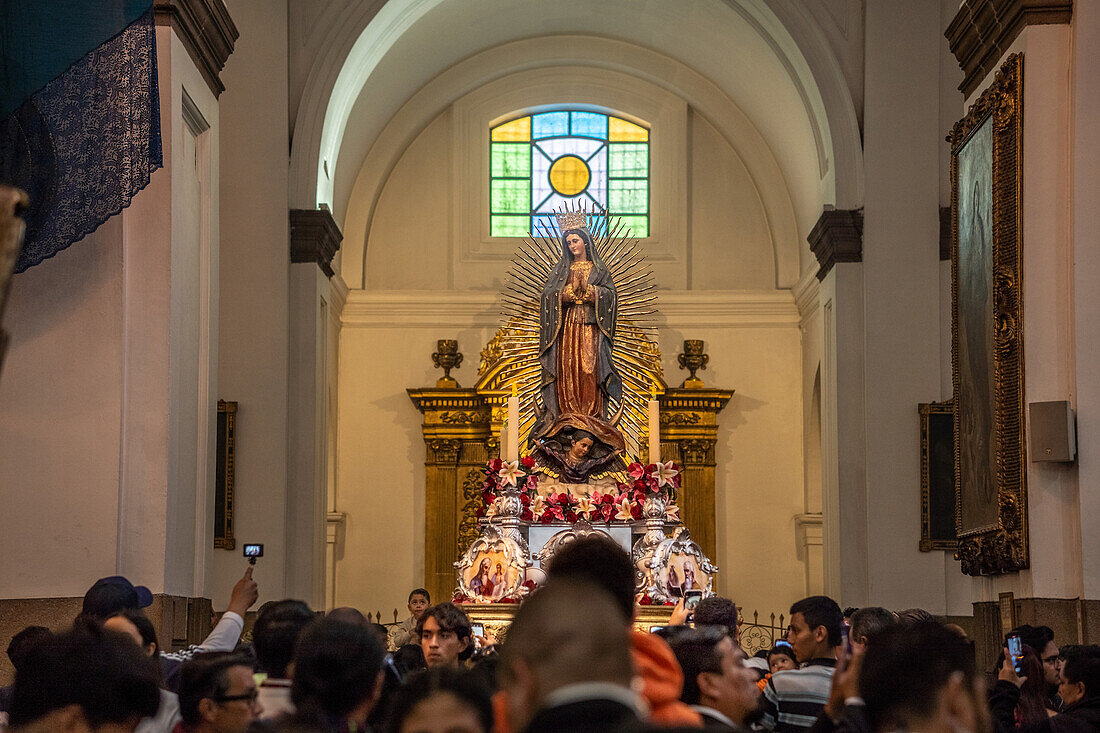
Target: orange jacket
x=662, y=680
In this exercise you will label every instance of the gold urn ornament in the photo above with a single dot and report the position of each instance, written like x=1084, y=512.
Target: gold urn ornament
x=447, y=357
x=693, y=359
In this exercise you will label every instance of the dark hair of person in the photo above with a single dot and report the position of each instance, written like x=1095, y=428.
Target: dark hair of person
x=1036, y=637
x=696, y=650
x=716, y=611
x=915, y=616
x=821, y=611
x=24, y=641
x=905, y=669
x=440, y=681
x=349, y=615
x=275, y=633
x=849, y=611
x=1083, y=665
x=420, y=592
x=336, y=667
x=144, y=626
x=868, y=621
x=101, y=671
x=450, y=618
x=206, y=675
x=784, y=649
x=409, y=658
x=599, y=560
x=1032, y=707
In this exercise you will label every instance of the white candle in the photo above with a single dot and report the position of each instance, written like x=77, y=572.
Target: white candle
x=513, y=426
x=504, y=439
x=654, y=428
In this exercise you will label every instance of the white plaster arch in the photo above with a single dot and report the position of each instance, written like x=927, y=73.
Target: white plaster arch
x=345, y=50
x=632, y=68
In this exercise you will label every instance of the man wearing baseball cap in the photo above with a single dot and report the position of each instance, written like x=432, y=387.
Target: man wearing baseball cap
x=114, y=594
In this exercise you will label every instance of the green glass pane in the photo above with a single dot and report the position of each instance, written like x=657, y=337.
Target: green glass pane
x=628, y=196
x=628, y=160
x=638, y=225
x=510, y=196
x=511, y=160
x=509, y=226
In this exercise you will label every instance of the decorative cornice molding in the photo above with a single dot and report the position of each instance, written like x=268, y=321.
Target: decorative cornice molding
x=314, y=237
x=837, y=237
x=982, y=31
x=472, y=309
x=207, y=32
x=807, y=294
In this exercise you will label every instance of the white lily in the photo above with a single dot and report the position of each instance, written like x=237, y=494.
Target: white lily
x=672, y=513
x=624, y=511
x=585, y=507
x=510, y=472
x=665, y=473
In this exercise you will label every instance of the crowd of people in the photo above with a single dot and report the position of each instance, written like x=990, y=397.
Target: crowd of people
x=571, y=660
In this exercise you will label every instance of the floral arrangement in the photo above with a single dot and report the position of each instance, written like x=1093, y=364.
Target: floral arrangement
x=623, y=505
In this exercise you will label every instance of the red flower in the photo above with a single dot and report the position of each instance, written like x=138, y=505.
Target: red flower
x=529, y=584
x=547, y=517
x=525, y=499
x=571, y=517
x=636, y=470
x=526, y=515
x=563, y=498
x=607, y=499
x=636, y=510
x=480, y=512
x=507, y=600
x=528, y=462
x=645, y=600
x=607, y=509
x=495, y=464
x=638, y=498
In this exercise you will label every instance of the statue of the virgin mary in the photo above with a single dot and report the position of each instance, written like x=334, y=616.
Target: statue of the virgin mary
x=577, y=313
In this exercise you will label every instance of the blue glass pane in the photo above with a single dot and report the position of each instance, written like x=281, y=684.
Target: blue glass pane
x=550, y=123
x=542, y=226
x=590, y=124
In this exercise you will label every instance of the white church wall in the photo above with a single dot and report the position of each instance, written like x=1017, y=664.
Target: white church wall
x=255, y=270
x=1085, y=126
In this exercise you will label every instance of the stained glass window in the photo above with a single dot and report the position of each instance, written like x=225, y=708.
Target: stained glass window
x=539, y=162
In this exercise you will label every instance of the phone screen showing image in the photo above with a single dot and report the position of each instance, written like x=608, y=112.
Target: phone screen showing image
x=477, y=629
x=1016, y=651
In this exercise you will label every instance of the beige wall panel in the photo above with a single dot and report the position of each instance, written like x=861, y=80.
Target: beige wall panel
x=60, y=400
x=410, y=236
x=731, y=246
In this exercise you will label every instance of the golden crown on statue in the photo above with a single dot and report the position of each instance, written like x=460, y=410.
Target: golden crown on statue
x=572, y=219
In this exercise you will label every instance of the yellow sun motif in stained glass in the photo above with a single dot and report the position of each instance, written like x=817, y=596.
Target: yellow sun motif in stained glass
x=569, y=175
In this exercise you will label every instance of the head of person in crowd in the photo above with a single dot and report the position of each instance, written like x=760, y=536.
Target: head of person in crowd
x=715, y=677
x=442, y=700
x=446, y=636
x=569, y=632
x=781, y=657
x=217, y=693
x=24, y=641
x=419, y=600
x=138, y=627
x=337, y=672
x=815, y=628
x=865, y=623
x=1041, y=640
x=349, y=615
x=1079, y=678
x=716, y=611
x=275, y=633
x=599, y=560
x=382, y=632
x=920, y=677
x=85, y=679
x=409, y=659
x=108, y=596
x=915, y=616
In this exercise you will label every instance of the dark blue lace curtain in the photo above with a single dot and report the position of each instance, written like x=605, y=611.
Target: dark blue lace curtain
x=79, y=113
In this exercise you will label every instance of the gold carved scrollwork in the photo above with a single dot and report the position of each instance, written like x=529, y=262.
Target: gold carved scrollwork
x=462, y=418
x=1003, y=546
x=471, y=499
x=681, y=418
x=697, y=451
x=444, y=451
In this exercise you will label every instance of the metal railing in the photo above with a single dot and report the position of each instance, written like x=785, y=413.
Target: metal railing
x=760, y=633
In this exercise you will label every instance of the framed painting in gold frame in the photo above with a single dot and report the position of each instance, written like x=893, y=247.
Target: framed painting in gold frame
x=987, y=328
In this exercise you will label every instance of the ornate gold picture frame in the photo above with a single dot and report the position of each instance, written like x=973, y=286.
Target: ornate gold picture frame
x=225, y=476
x=987, y=328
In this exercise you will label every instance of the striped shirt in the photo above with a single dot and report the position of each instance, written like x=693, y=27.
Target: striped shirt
x=794, y=698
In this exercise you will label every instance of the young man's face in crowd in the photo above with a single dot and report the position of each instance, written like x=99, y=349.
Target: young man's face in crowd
x=440, y=647
x=803, y=640
x=234, y=712
x=1070, y=692
x=1051, y=664
x=418, y=604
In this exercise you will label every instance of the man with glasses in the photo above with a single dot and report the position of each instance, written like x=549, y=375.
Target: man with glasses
x=218, y=694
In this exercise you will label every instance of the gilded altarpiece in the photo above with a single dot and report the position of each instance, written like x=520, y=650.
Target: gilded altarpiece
x=462, y=428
